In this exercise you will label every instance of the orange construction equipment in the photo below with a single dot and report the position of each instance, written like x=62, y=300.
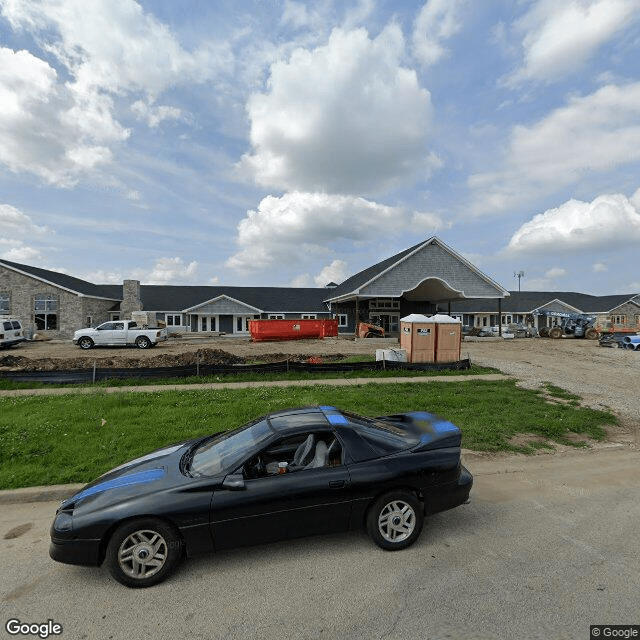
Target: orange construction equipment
x=369, y=330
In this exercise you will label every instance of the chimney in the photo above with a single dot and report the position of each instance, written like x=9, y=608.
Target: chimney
x=130, y=298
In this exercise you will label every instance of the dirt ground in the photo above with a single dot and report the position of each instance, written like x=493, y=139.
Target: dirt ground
x=603, y=377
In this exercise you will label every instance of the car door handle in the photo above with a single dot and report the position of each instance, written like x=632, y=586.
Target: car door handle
x=336, y=484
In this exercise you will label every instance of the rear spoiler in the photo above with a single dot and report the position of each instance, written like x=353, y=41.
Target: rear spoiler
x=434, y=432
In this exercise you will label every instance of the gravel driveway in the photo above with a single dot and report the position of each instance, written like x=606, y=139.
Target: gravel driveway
x=602, y=376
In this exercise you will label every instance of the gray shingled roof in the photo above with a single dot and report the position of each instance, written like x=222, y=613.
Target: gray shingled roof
x=179, y=297
x=68, y=282
x=268, y=299
x=526, y=301
x=311, y=300
x=355, y=282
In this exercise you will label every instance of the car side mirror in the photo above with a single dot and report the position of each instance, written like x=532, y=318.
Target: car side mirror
x=234, y=481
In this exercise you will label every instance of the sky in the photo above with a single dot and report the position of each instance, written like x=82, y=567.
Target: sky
x=291, y=143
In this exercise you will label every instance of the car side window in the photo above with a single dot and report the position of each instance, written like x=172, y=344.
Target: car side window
x=295, y=454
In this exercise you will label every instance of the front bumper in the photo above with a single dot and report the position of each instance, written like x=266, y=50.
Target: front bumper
x=83, y=552
x=12, y=343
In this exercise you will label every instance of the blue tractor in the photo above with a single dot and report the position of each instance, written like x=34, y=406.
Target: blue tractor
x=577, y=325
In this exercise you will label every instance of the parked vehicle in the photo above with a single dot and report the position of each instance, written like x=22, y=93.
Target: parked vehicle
x=11, y=332
x=370, y=330
x=577, y=325
x=288, y=474
x=119, y=333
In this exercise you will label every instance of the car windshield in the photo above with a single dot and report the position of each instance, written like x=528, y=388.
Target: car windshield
x=223, y=452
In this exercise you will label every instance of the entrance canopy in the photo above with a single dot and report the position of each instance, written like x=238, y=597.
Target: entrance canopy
x=428, y=272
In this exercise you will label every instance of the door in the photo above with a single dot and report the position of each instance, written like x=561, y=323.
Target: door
x=277, y=507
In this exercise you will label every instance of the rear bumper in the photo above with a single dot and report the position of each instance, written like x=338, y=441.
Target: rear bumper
x=451, y=495
x=83, y=552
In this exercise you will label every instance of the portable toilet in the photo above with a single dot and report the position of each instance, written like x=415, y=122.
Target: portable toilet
x=448, y=340
x=418, y=338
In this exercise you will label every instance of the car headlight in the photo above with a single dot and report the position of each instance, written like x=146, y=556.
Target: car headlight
x=63, y=521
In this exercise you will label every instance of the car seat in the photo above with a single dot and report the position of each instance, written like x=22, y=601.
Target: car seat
x=303, y=453
x=320, y=457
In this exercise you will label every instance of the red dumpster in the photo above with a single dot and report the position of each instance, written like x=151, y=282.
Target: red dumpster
x=293, y=329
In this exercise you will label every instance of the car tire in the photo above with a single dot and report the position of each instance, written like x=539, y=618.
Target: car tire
x=143, y=342
x=555, y=333
x=143, y=552
x=395, y=520
x=85, y=343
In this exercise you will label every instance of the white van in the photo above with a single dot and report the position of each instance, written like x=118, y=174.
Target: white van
x=10, y=332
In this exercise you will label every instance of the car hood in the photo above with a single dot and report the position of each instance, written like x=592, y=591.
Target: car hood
x=154, y=471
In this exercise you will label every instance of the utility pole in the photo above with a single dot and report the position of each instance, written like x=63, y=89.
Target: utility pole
x=519, y=274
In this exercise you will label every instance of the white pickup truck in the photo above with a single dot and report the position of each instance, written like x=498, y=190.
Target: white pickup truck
x=118, y=333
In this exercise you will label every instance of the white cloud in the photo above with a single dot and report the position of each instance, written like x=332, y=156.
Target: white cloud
x=172, y=271
x=15, y=228
x=609, y=221
x=154, y=115
x=14, y=222
x=43, y=130
x=61, y=125
x=600, y=267
x=593, y=133
x=548, y=281
x=300, y=224
x=344, y=118
x=164, y=271
x=560, y=37
x=20, y=252
x=334, y=272
x=555, y=272
x=437, y=21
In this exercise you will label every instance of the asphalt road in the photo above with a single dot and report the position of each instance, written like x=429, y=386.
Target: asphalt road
x=548, y=546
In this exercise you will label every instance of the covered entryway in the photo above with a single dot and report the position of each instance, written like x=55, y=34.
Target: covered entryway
x=223, y=315
x=424, y=279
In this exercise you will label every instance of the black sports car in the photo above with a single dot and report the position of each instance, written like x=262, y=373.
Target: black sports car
x=288, y=474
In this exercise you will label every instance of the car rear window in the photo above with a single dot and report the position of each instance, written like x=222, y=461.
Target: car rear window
x=384, y=436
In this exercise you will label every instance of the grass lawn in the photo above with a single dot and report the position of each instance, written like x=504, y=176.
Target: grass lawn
x=75, y=438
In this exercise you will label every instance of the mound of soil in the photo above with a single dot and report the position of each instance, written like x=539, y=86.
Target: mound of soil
x=202, y=356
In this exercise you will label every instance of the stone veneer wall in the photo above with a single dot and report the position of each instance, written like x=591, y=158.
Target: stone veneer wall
x=72, y=311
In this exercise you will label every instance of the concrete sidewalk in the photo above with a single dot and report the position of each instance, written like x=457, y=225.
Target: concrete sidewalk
x=250, y=385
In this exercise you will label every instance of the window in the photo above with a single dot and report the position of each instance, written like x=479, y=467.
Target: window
x=5, y=305
x=309, y=316
x=174, y=320
x=88, y=322
x=46, y=312
x=276, y=316
x=342, y=319
x=384, y=303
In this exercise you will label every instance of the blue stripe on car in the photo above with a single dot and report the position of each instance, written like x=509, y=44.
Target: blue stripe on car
x=333, y=415
x=141, y=477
